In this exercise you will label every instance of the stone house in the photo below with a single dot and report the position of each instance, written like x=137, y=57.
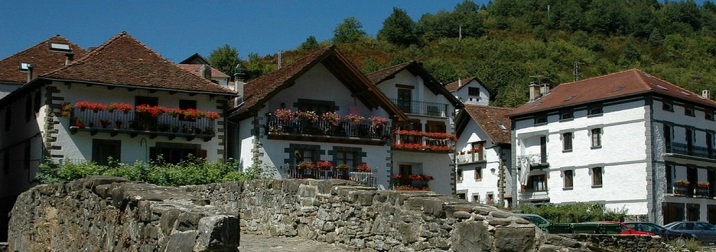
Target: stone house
x=89, y=110
x=470, y=91
x=483, y=155
x=322, y=109
x=628, y=140
x=423, y=144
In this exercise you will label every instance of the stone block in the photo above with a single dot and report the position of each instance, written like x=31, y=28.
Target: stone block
x=187, y=221
x=218, y=233
x=471, y=236
x=167, y=220
x=515, y=239
x=181, y=241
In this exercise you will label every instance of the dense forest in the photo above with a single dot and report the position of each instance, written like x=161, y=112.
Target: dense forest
x=509, y=43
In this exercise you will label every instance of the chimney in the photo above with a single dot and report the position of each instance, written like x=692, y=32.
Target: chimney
x=534, y=91
x=280, y=59
x=205, y=71
x=544, y=89
x=706, y=94
x=459, y=82
x=239, y=86
x=69, y=57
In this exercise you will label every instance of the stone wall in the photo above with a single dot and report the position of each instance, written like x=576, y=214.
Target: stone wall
x=110, y=214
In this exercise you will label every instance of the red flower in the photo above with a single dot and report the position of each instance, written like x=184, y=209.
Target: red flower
x=324, y=165
x=363, y=167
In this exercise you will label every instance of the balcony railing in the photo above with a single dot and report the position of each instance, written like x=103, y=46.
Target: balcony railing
x=292, y=171
x=535, y=195
x=422, y=108
x=470, y=158
x=696, y=151
x=424, y=141
x=320, y=127
x=533, y=161
x=134, y=123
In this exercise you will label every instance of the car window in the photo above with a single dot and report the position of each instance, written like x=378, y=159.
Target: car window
x=687, y=226
x=678, y=226
x=701, y=226
x=634, y=226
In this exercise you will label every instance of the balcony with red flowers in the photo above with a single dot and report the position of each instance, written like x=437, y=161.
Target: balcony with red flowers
x=122, y=118
x=414, y=140
x=327, y=127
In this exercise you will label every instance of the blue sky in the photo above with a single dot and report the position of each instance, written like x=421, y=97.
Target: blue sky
x=177, y=29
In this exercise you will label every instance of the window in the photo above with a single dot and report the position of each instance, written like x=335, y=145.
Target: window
x=104, y=150
x=538, y=182
x=405, y=100
x=594, y=110
x=709, y=145
x=689, y=111
x=566, y=115
x=689, y=141
x=304, y=155
x=667, y=137
x=144, y=120
x=28, y=108
x=174, y=153
x=667, y=106
x=567, y=142
x=568, y=179
x=543, y=149
x=60, y=47
x=318, y=106
x=435, y=126
x=478, y=151
x=596, y=138
x=540, y=119
x=490, y=198
x=459, y=175
x=476, y=198
x=187, y=104
x=709, y=115
x=597, y=177
x=473, y=91
x=669, y=178
x=345, y=157
x=478, y=174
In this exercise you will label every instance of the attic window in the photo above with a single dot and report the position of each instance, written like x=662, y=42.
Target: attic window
x=502, y=127
x=685, y=93
x=660, y=86
x=60, y=47
x=619, y=88
x=569, y=98
x=25, y=66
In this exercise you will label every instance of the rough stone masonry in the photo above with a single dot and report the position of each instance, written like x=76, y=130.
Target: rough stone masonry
x=112, y=214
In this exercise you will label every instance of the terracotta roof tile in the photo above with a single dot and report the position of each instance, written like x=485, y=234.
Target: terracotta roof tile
x=194, y=68
x=40, y=56
x=607, y=87
x=383, y=74
x=124, y=61
x=453, y=86
x=258, y=91
x=490, y=119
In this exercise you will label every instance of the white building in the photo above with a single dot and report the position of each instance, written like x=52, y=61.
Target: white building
x=267, y=132
x=423, y=144
x=43, y=119
x=470, y=91
x=483, y=155
x=201, y=67
x=623, y=140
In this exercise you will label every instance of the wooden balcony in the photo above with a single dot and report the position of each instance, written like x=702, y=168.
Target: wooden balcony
x=422, y=108
x=134, y=124
x=424, y=141
x=319, y=130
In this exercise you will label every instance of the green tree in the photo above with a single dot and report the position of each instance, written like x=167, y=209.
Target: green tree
x=256, y=66
x=398, y=29
x=310, y=44
x=224, y=58
x=351, y=30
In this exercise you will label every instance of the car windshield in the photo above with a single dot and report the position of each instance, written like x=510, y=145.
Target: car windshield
x=535, y=219
x=703, y=226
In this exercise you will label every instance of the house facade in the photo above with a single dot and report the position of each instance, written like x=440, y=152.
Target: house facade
x=109, y=105
x=317, y=111
x=201, y=67
x=422, y=145
x=470, y=91
x=628, y=140
x=483, y=155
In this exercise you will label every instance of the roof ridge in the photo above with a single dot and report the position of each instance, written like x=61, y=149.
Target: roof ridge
x=37, y=44
x=600, y=76
x=488, y=106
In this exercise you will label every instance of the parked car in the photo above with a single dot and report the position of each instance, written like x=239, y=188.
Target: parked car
x=627, y=230
x=535, y=219
x=704, y=232
x=667, y=234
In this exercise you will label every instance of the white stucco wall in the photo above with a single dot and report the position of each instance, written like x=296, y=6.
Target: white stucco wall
x=482, y=99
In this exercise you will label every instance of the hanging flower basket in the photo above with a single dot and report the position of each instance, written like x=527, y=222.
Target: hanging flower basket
x=325, y=165
x=363, y=167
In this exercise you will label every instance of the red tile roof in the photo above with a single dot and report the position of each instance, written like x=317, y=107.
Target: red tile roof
x=489, y=119
x=416, y=69
x=40, y=56
x=195, y=68
x=608, y=87
x=260, y=90
x=453, y=86
x=124, y=61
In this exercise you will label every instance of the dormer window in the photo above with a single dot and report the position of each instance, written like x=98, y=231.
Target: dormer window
x=60, y=47
x=25, y=66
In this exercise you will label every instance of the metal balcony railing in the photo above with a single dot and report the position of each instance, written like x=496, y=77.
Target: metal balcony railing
x=293, y=172
x=133, y=122
x=424, y=141
x=696, y=151
x=422, y=108
x=320, y=127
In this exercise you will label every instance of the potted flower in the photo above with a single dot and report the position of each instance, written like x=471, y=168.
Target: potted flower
x=284, y=114
x=307, y=115
x=189, y=114
x=702, y=184
x=342, y=167
x=680, y=187
x=104, y=122
x=681, y=182
x=124, y=107
x=83, y=105
x=378, y=121
x=332, y=118
x=212, y=115
x=324, y=165
x=354, y=118
x=363, y=167
x=66, y=109
x=78, y=123
x=306, y=165
x=174, y=112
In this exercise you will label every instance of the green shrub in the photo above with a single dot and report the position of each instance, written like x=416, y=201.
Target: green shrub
x=192, y=171
x=579, y=212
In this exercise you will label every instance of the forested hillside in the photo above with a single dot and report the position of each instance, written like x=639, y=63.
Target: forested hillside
x=506, y=43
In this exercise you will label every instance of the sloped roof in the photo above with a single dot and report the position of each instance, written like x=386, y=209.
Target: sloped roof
x=489, y=119
x=455, y=85
x=608, y=87
x=195, y=58
x=414, y=68
x=196, y=70
x=41, y=57
x=260, y=90
x=124, y=61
